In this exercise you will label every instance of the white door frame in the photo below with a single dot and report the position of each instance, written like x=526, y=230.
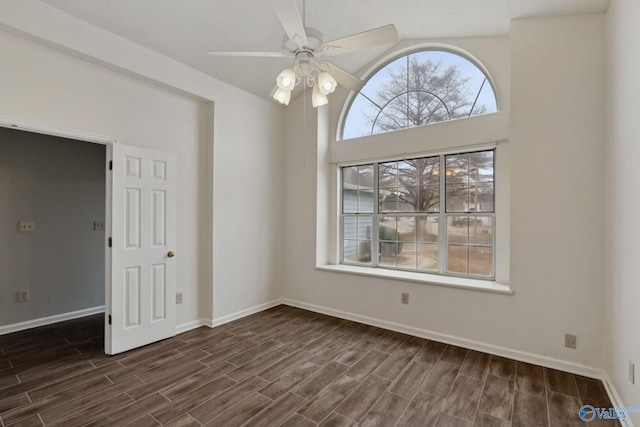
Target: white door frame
x=93, y=138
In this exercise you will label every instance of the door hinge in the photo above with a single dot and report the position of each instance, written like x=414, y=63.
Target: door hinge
x=110, y=165
x=110, y=242
x=109, y=319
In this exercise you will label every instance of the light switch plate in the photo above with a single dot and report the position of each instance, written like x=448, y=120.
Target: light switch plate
x=98, y=225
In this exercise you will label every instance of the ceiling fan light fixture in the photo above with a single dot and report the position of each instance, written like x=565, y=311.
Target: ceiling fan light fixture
x=318, y=98
x=326, y=83
x=282, y=96
x=286, y=79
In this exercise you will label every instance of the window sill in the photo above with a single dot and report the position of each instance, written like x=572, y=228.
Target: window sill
x=427, y=279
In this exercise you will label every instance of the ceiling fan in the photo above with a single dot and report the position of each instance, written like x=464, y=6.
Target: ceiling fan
x=306, y=46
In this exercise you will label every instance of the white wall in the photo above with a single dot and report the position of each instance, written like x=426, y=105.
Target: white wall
x=247, y=219
x=229, y=181
x=59, y=184
x=556, y=99
x=622, y=294
x=46, y=87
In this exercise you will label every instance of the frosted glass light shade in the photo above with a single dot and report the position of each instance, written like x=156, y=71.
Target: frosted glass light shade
x=286, y=79
x=326, y=83
x=282, y=96
x=318, y=98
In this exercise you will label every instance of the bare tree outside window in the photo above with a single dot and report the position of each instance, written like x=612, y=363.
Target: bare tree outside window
x=414, y=221
x=418, y=89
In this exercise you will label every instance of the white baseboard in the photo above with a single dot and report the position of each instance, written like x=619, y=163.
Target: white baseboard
x=16, y=327
x=522, y=356
x=185, y=327
x=616, y=401
x=212, y=323
x=243, y=313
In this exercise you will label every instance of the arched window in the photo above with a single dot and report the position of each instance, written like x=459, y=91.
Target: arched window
x=417, y=89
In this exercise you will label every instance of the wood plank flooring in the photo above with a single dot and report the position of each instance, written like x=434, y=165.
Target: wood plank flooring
x=281, y=367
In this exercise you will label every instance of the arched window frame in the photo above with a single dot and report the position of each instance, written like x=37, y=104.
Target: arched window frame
x=401, y=54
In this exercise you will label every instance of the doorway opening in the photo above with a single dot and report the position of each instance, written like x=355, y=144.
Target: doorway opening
x=52, y=227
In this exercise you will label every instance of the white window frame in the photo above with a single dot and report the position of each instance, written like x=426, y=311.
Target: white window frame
x=328, y=257
x=442, y=216
x=476, y=133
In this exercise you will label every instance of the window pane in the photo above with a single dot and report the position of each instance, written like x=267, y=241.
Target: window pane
x=407, y=228
x=349, y=225
x=389, y=200
x=350, y=178
x=428, y=170
x=387, y=228
x=365, y=201
x=481, y=166
x=388, y=253
x=481, y=197
x=387, y=175
x=365, y=177
x=481, y=230
x=390, y=241
x=427, y=229
x=407, y=258
x=457, y=169
x=457, y=197
x=408, y=186
x=458, y=229
x=428, y=257
x=457, y=259
x=429, y=198
x=408, y=198
x=349, y=201
x=364, y=251
x=365, y=227
x=350, y=251
x=481, y=261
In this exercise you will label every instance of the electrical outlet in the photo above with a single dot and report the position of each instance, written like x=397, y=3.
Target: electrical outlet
x=404, y=298
x=179, y=298
x=570, y=341
x=632, y=372
x=27, y=226
x=23, y=295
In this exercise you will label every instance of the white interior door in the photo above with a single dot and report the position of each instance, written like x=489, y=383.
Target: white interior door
x=140, y=303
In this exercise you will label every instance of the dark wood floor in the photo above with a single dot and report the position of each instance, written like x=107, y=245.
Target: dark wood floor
x=280, y=367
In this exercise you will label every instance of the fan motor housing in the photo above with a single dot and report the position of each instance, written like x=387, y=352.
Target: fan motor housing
x=314, y=38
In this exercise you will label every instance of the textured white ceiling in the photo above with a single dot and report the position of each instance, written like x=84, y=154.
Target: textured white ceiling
x=186, y=29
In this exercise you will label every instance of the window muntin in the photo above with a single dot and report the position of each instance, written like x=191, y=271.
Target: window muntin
x=420, y=88
x=397, y=207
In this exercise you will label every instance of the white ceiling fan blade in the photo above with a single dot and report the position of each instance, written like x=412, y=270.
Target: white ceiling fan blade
x=250, y=54
x=291, y=21
x=343, y=77
x=371, y=38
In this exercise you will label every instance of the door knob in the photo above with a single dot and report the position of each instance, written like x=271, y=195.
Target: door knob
x=171, y=254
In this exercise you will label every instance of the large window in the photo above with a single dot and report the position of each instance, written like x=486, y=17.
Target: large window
x=430, y=214
x=421, y=88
